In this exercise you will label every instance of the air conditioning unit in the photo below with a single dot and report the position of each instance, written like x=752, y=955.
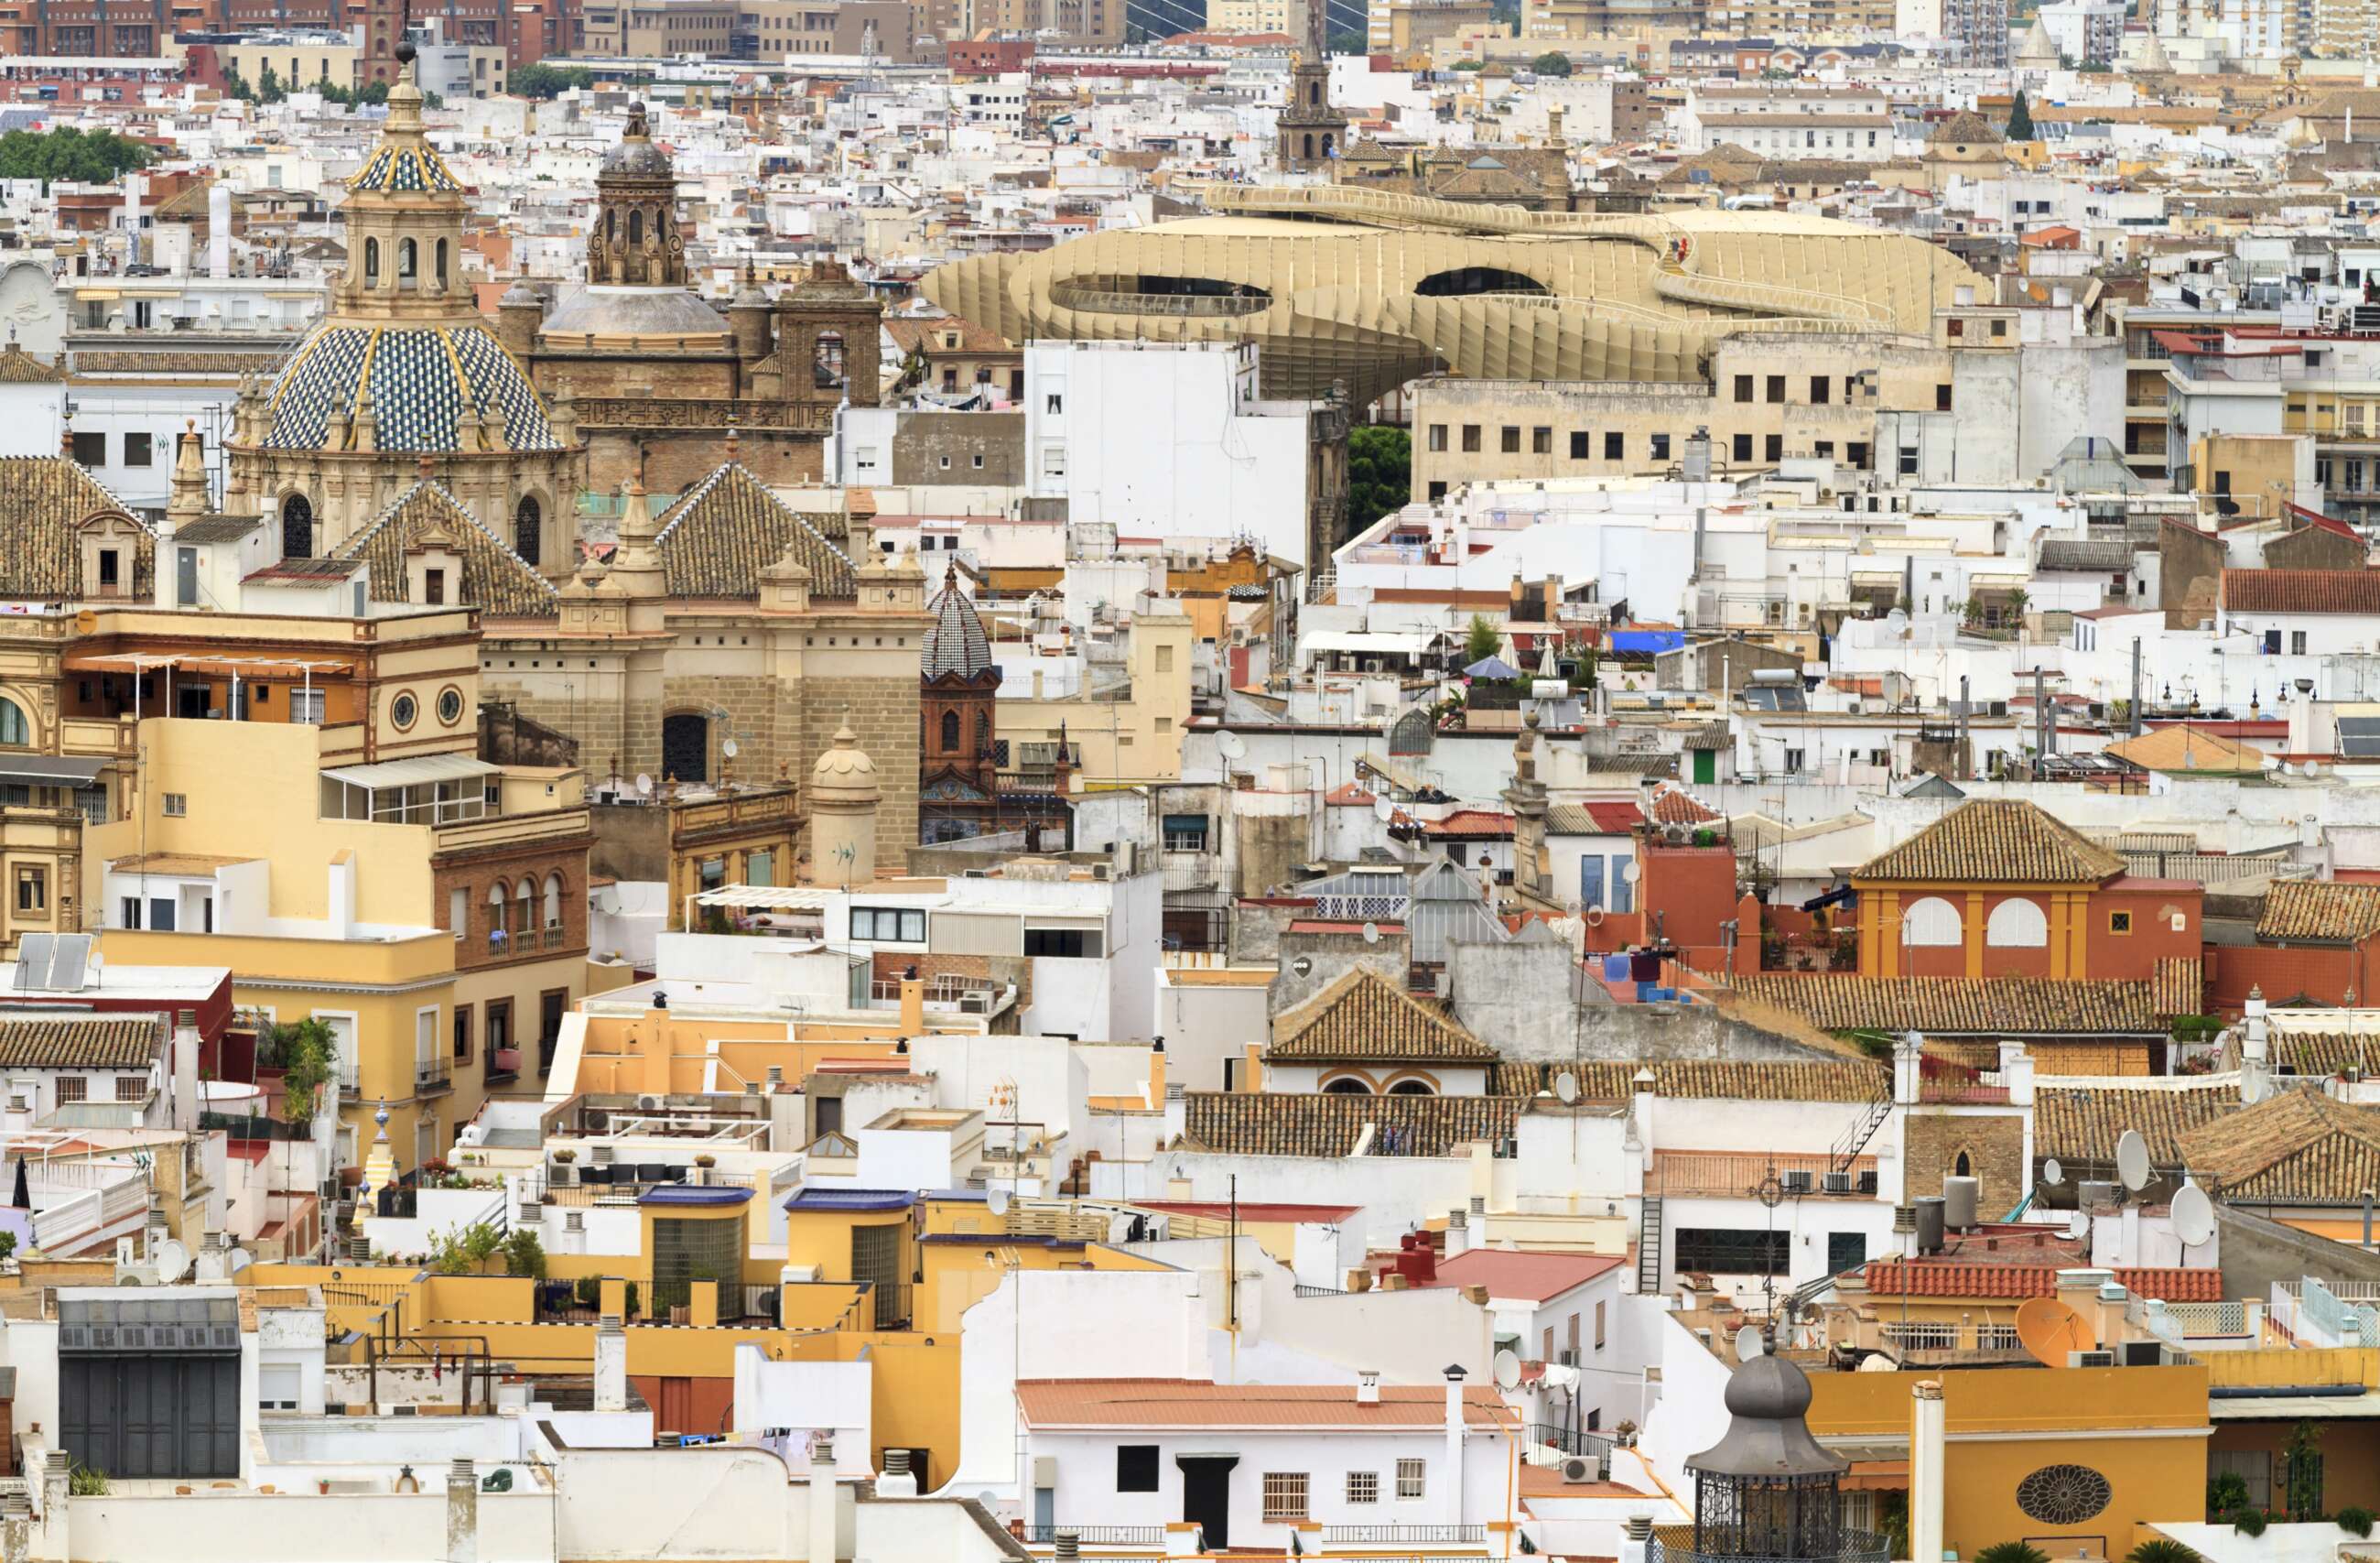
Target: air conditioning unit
x=2090, y=1359
x=649, y=1103
x=1866, y=1183
x=599, y=1154
x=1838, y=1184
x=563, y=1176
x=1580, y=1468
x=1795, y=1182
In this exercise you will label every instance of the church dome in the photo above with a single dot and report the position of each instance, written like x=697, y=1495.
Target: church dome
x=845, y=773
x=955, y=641
x=636, y=155
x=423, y=382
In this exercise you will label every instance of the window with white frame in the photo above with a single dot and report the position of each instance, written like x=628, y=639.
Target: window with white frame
x=1411, y=1476
x=1284, y=1498
x=1363, y=1486
x=905, y=926
x=177, y=805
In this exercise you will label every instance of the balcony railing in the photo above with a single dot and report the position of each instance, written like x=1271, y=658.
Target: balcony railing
x=1404, y=1535
x=891, y=1305
x=1852, y=1546
x=1100, y=1535
x=431, y=1076
x=1570, y=1440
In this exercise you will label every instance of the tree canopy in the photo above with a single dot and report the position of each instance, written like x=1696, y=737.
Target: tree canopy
x=2020, y=125
x=1553, y=62
x=542, y=80
x=98, y=157
x=1379, y=473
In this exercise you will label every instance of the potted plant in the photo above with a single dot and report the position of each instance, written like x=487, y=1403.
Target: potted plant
x=1625, y=1434
x=565, y=1156
x=706, y=1159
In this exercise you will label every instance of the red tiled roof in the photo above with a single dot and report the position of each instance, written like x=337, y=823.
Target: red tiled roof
x=1470, y=823
x=1536, y=1276
x=1174, y=1402
x=1251, y=1210
x=1348, y=792
x=2355, y=592
x=1954, y=1277
x=1673, y=805
x=1617, y=819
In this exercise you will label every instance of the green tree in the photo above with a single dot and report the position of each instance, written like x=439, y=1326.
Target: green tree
x=2161, y=1549
x=1470, y=65
x=2012, y=1552
x=2020, y=125
x=525, y=1255
x=1481, y=641
x=97, y=157
x=546, y=80
x=1588, y=675
x=307, y=1050
x=465, y=1252
x=1553, y=62
x=1379, y=473
x=2302, y=1458
x=269, y=89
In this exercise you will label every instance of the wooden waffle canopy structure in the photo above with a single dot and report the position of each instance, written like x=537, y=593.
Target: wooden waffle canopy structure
x=1368, y=289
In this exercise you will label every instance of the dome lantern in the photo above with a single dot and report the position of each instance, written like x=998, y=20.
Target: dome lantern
x=1768, y=1490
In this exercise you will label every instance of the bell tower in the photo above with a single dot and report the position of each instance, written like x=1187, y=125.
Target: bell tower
x=1312, y=133
x=635, y=240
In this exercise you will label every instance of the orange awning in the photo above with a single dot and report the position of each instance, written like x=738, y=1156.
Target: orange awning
x=1877, y=1475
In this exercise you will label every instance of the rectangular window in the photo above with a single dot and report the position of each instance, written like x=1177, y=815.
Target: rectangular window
x=177, y=805
x=1776, y=387
x=1741, y=447
x=132, y=1088
x=1186, y=833
x=1512, y=439
x=1822, y=388
x=1909, y=461
x=32, y=890
x=1731, y=1250
x=1582, y=445
x=305, y=707
x=433, y=588
x=1438, y=436
x=1598, y=1326
x=138, y=450
x=1411, y=1477
x=1165, y=659
x=1794, y=760
x=1845, y=1250
x=73, y=1088
x=1471, y=437
x=1660, y=447
x=1284, y=1498
x=1064, y=944
x=1136, y=1468
x=91, y=450
x=129, y=912
x=1541, y=442
x=888, y=924
x=1615, y=446
x=1775, y=448
x=461, y=1033
x=1744, y=387
x=2297, y=643
x=2119, y=923
x=1056, y=403
x=1941, y=398
x=1363, y=1486
x=111, y=568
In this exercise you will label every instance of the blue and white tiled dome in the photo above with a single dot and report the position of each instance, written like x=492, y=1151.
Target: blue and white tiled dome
x=425, y=381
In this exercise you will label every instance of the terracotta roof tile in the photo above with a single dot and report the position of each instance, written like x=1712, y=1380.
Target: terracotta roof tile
x=2320, y=909
x=44, y=500
x=496, y=580
x=1718, y=1080
x=2080, y=1125
x=1471, y=824
x=2302, y=1146
x=1363, y=1015
x=1951, y=1277
x=1997, y=842
x=1974, y=1006
x=1174, y=1402
x=66, y=1044
x=716, y=540
x=2324, y=1054
x=1318, y=1124
x=2356, y=591
x=1673, y=805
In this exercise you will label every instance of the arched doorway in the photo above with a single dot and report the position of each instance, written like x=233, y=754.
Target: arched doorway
x=685, y=747
x=529, y=526
x=296, y=527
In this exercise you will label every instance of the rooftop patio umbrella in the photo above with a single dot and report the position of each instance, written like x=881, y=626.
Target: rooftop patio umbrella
x=1491, y=667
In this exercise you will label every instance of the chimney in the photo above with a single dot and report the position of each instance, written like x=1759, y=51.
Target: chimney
x=611, y=1365
x=462, y=1513
x=1907, y=1069
x=1367, y=1388
x=1157, y=1073
x=913, y=1003
x=1927, y=1426
x=1636, y=1539
x=1454, y=1378
x=1067, y=1544
x=898, y=1481
x=822, y=1500
x=1458, y=1233
x=2254, y=1049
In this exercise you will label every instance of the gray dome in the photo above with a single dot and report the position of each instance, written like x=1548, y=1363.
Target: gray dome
x=1768, y=1388
x=1765, y=1435
x=638, y=157
x=633, y=311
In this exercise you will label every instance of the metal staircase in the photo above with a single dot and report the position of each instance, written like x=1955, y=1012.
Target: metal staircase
x=1649, y=1246
x=1847, y=1149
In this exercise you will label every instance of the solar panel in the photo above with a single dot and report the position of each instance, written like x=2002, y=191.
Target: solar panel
x=2359, y=737
x=67, y=967
x=34, y=952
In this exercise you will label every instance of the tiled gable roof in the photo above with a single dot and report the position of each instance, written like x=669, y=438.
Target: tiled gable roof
x=2322, y=909
x=720, y=534
x=1974, y=1006
x=1997, y=842
x=19, y=367
x=1674, y=805
x=2355, y=592
x=77, y=1044
x=1717, y=1080
x=1363, y=1016
x=2303, y=1145
x=1319, y=1124
x=495, y=579
x=2080, y=1125
x=2324, y=1054
x=44, y=501
x=1951, y=1277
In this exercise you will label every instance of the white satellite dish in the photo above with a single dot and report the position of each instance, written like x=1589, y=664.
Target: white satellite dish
x=1230, y=744
x=1566, y=1086
x=2051, y=1173
x=173, y=1261
x=727, y=747
x=644, y=784
x=2133, y=1160
x=1628, y=871
x=1748, y=1343
x=2193, y=1215
x=2079, y=1224
x=1371, y=933
x=996, y=1201
x=1508, y=1370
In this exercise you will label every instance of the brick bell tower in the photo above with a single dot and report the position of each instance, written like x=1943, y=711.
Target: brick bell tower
x=1312, y=134
x=958, y=771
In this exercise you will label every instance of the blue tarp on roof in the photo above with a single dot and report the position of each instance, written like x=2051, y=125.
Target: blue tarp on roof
x=1647, y=642
x=849, y=1199
x=688, y=1194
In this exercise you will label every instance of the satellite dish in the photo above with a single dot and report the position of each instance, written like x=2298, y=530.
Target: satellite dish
x=2079, y=1224
x=1508, y=1370
x=1595, y=917
x=1748, y=1343
x=2133, y=1160
x=2051, y=1173
x=1878, y=1362
x=1371, y=933
x=1230, y=745
x=996, y=1201
x=644, y=784
x=2193, y=1215
x=1566, y=1086
x=173, y=1261
x=727, y=747
x=1629, y=870
x=2048, y=1329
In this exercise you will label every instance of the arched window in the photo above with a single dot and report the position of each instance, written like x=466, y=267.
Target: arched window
x=685, y=745
x=1931, y=922
x=371, y=260
x=1308, y=144
x=441, y=263
x=950, y=732
x=496, y=940
x=1314, y=92
x=553, y=900
x=636, y=226
x=1963, y=1166
x=408, y=258
x=528, y=526
x=13, y=729
x=611, y=223
x=1326, y=146
x=2017, y=925
x=1411, y=1088
x=524, y=903
x=828, y=369
x=296, y=527
x=1344, y=1087
x=982, y=734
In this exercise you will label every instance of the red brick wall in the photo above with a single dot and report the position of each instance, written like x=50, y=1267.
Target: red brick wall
x=2322, y=975
x=2133, y=956
x=1686, y=892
